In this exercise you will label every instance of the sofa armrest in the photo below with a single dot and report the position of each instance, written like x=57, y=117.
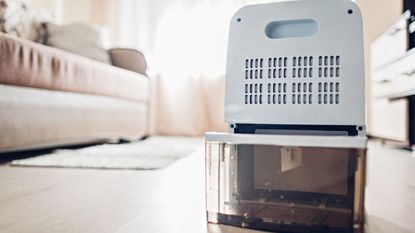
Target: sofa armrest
x=129, y=59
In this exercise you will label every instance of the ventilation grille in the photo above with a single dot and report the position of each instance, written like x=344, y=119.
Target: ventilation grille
x=328, y=92
x=329, y=66
x=300, y=80
x=303, y=67
x=254, y=68
x=302, y=93
x=253, y=93
x=277, y=93
x=277, y=67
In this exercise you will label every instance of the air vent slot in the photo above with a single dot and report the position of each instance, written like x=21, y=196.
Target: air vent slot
x=329, y=66
x=329, y=93
x=277, y=67
x=277, y=93
x=302, y=67
x=254, y=93
x=296, y=81
x=254, y=68
x=302, y=93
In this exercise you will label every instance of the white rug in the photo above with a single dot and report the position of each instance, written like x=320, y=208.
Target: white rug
x=149, y=154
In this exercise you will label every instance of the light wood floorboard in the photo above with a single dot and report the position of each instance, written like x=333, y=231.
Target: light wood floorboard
x=172, y=199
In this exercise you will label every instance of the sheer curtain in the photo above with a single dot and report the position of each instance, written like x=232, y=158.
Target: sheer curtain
x=185, y=42
x=166, y=29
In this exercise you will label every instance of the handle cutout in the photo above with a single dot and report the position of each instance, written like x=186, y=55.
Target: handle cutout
x=291, y=28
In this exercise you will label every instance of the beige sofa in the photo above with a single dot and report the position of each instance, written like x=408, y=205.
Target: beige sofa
x=50, y=98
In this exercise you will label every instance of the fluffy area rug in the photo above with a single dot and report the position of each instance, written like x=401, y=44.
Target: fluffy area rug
x=149, y=154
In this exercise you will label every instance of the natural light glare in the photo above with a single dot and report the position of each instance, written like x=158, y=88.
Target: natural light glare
x=193, y=42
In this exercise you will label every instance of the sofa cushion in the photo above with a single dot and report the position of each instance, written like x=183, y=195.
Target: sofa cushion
x=67, y=37
x=33, y=118
x=25, y=63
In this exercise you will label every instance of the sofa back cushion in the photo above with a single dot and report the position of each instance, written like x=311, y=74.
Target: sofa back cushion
x=78, y=38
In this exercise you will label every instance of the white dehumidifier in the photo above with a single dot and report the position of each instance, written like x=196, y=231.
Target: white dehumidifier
x=294, y=157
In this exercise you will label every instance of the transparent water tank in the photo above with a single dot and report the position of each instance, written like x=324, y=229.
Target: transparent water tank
x=286, y=183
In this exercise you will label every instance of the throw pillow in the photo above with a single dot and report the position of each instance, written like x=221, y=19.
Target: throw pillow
x=19, y=20
x=78, y=38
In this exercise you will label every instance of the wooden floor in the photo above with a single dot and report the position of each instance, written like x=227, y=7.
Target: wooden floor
x=171, y=200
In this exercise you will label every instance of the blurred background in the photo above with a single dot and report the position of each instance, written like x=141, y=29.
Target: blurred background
x=185, y=39
x=184, y=43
